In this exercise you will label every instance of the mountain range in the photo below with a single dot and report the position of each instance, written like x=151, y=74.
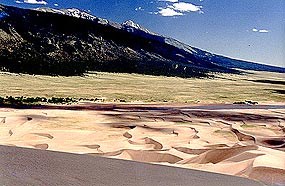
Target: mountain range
x=72, y=42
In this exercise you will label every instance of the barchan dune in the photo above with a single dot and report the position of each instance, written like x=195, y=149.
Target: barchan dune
x=242, y=140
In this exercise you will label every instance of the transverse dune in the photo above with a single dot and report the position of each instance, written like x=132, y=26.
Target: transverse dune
x=241, y=140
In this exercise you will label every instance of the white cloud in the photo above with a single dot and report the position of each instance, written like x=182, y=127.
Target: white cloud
x=260, y=31
x=55, y=4
x=139, y=8
x=176, y=8
x=263, y=31
x=169, y=12
x=186, y=7
x=19, y=2
x=172, y=1
x=254, y=30
x=41, y=2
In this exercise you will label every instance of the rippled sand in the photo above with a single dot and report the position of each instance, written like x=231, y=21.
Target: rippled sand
x=241, y=140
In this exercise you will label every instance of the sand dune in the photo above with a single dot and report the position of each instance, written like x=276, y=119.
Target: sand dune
x=217, y=155
x=268, y=175
x=41, y=146
x=245, y=141
x=19, y=166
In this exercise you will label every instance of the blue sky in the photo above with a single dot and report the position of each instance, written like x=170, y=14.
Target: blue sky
x=252, y=30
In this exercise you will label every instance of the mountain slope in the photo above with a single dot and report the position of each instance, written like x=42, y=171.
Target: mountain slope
x=71, y=42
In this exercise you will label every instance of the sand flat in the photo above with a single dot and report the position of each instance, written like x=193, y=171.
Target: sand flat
x=212, y=138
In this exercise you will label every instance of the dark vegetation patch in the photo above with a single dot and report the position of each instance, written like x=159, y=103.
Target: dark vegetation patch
x=22, y=101
x=279, y=91
x=275, y=82
x=9, y=100
x=246, y=102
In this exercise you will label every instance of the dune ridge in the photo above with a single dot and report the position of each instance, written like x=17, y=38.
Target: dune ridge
x=204, y=137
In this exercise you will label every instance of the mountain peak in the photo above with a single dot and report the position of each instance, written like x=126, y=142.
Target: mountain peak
x=131, y=26
x=74, y=12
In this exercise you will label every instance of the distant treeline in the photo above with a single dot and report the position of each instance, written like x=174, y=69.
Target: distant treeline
x=9, y=100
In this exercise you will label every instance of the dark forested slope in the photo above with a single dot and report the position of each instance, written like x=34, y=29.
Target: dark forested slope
x=71, y=42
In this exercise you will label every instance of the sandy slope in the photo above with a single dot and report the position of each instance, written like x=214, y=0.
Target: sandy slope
x=36, y=167
x=247, y=141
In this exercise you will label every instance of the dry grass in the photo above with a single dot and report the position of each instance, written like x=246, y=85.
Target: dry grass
x=134, y=87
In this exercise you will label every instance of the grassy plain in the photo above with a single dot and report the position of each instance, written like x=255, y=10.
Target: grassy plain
x=224, y=88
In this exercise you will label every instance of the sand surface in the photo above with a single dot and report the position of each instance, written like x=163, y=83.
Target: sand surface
x=241, y=140
x=36, y=167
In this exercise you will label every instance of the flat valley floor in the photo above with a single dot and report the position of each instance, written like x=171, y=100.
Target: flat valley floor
x=111, y=87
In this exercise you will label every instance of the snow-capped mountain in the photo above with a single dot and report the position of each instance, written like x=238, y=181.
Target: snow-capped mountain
x=71, y=42
x=74, y=13
x=131, y=26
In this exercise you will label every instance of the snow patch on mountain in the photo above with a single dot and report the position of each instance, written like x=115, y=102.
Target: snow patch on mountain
x=3, y=15
x=74, y=13
x=179, y=45
x=131, y=26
